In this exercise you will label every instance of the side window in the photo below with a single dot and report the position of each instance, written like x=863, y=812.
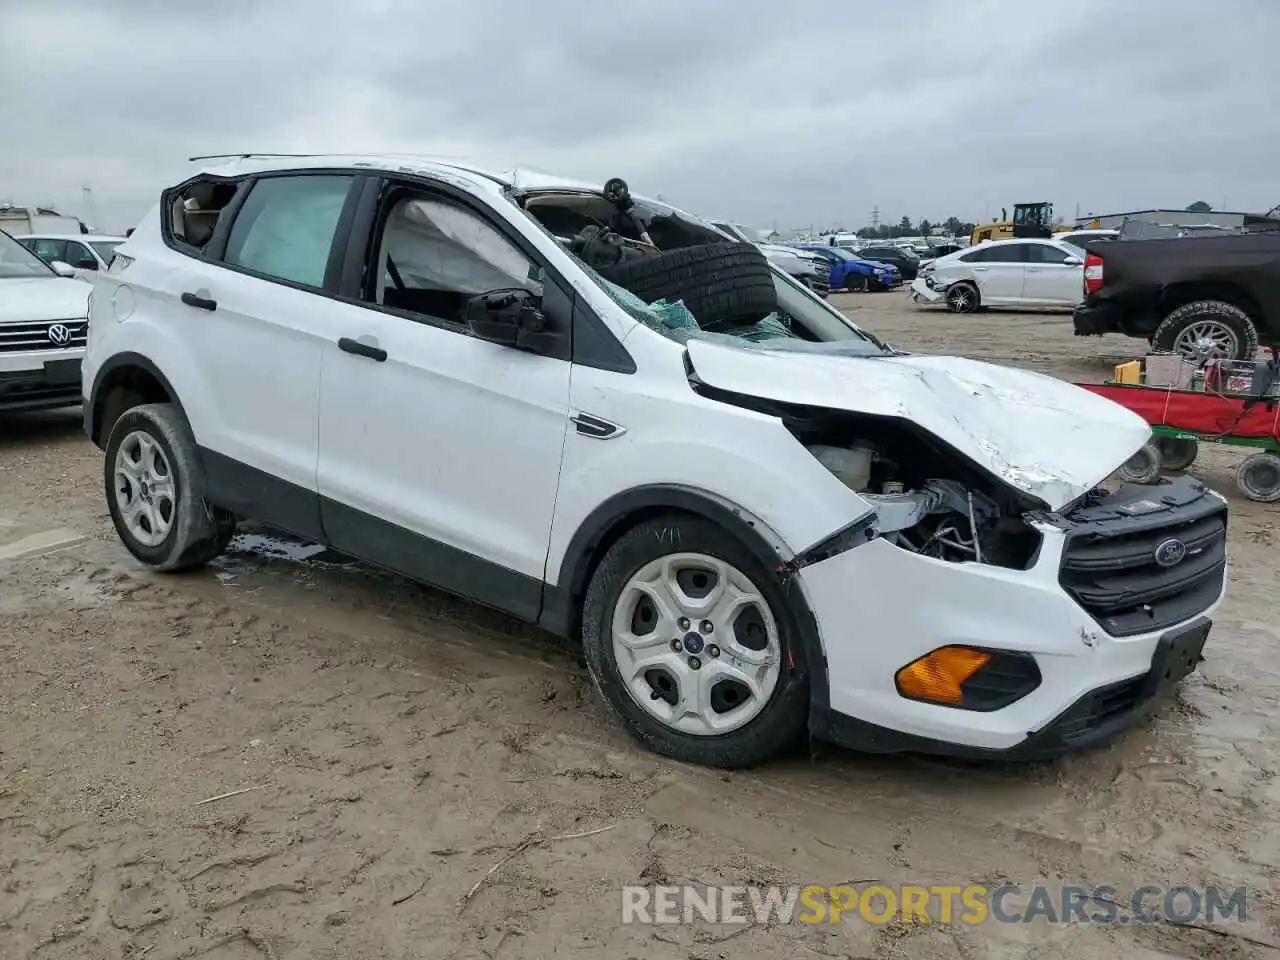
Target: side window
x=1043, y=253
x=432, y=256
x=48, y=250
x=1009, y=253
x=192, y=213
x=977, y=256
x=79, y=256
x=285, y=227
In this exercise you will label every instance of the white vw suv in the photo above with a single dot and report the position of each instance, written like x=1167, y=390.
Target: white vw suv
x=43, y=316
x=589, y=411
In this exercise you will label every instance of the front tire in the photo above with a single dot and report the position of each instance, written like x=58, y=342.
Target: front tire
x=962, y=298
x=1143, y=467
x=155, y=491
x=1177, y=453
x=1258, y=477
x=691, y=643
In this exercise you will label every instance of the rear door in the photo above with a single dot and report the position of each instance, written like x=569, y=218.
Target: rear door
x=1054, y=277
x=258, y=308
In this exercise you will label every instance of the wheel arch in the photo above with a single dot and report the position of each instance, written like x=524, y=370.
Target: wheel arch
x=562, y=603
x=121, y=377
x=1177, y=295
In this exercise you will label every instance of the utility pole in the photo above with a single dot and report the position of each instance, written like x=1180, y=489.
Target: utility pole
x=89, y=207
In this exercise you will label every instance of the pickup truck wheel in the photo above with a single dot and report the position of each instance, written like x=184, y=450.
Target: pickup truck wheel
x=1143, y=467
x=717, y=281
x=1258, y=477
x=1207, y=330
x=154, y=484
x=688, y=637
x=962, y=297
x=1177, y=453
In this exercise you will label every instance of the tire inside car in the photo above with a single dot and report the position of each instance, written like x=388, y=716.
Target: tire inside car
x=718, y=282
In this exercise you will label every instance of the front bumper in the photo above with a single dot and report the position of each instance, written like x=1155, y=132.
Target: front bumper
x=46, y=380
x=879, y=607
x=921, y=292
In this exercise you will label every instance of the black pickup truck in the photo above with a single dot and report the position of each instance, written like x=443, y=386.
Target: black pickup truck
x=1204, y=296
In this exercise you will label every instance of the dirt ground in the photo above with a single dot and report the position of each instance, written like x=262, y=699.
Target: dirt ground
x=396, y=745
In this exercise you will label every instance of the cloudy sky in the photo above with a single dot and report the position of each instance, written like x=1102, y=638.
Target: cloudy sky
x=766, y=111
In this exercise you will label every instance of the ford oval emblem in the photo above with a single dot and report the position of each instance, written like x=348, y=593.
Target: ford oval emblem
x=1170, y=553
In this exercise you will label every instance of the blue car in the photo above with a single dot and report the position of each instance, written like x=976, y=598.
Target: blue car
x=851, y=272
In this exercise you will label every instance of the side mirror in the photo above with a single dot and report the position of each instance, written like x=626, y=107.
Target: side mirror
x=63, y=269
x=1073, y=262
x=513, y=318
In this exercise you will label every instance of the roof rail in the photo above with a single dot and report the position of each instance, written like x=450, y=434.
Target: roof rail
x=246, y=156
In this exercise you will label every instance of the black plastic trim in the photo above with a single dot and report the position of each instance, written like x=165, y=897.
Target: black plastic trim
x=94, y=397
x=1002, y=681
x=593, y=427
x=254, y=494
x=594, y=344
x=428, y=561
x=257, y=495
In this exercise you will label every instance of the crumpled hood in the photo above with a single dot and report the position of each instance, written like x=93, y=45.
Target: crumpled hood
x=43, y=298
x=1047, y=438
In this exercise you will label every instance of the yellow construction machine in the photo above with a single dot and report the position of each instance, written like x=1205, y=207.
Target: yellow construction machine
x=1029, y=220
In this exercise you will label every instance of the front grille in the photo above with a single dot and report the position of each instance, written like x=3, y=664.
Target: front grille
x=15, y=337
x=19, y=391
x=1109, y=563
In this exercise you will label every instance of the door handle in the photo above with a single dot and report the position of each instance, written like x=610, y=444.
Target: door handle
x=199, y=302
x=348, y=345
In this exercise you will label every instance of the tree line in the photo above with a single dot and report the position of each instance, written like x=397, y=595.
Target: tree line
x=952, y=226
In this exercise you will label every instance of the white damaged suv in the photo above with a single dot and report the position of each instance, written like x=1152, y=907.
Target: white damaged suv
x=589, y=411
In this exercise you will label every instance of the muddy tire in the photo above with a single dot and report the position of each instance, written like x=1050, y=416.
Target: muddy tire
x=1258, y=477
x=736, y=692
x=963, y=297
x=1143, y=467
x=1207, y=330
x=716, y=281
x=155, y=491
x=1177, y=453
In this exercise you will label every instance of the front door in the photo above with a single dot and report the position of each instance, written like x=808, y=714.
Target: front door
x=1054, y=277
x=439, y=452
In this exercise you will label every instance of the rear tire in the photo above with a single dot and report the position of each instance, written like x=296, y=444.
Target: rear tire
x=1258, y=477
x=155, y=491
x=1177, y=453
x=1207, y=330
x=667, y=698
x=717, y=281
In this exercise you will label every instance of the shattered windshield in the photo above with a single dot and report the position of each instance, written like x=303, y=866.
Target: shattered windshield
x=825, y=330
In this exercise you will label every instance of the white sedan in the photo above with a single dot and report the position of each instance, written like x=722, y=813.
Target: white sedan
x=1004, y=273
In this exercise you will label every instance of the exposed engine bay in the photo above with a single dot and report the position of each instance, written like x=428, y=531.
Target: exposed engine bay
x=923, y=506
x=927, y=501
x=928, y=498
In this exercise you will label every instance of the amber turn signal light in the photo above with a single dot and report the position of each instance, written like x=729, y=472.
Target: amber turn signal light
x=937, y=677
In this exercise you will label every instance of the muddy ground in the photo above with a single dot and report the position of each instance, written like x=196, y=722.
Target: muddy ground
x=396, y=745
